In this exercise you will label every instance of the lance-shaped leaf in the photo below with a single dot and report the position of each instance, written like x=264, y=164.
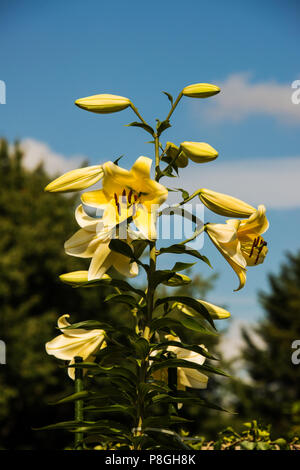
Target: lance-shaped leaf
x=171, y=363
x=121, y=247
x=199, y=308
x=146, y=127
x=194, y=324
x=122, y=298
x=165, y=398
x=189, y=347
x=183, y=249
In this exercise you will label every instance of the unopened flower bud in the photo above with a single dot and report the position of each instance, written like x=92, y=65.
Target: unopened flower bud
x=223, y=204
x=200, y=90
x=76, y=180
x=80, y=278
x=103, y=104
x=199, y=152
x=174, y=152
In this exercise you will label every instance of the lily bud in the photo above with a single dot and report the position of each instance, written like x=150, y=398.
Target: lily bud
x=201, y=90
x=103, y=104
x=80, y=279
x=177, y=280
x=76, y=180
x=172, y=151
x=223, y=204
x=216, y=312
x=199, y=152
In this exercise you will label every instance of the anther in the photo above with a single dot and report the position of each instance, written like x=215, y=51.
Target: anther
x=116, y=199
x=130, y=196
x=135, y=197
x=253, y=246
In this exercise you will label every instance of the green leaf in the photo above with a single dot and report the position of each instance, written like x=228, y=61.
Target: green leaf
x=161, y=276
x=138, y=247
x=170, y=97
x=162, y=126
x=164, y=421
x=121, y=247
x=185, y=195
x=142, y=125
x=196, y=324
x=183, y=249
x=88, y=325
x=189, y=347
x=142, y=347
x=190, y=302
x=166, y=438
x=116, y=408
x=125, y=286
x=248, y=445
x=182, y=266
x=183, y=363
x=163, y=322
x=165, y=398
x=122, y=298
x=73, y=397
x=118, y=159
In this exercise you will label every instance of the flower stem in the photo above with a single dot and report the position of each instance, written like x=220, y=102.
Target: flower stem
x=150, y=307
x=78, y=403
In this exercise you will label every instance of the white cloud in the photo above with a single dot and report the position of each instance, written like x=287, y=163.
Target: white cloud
x=36, y=152
x=273, y=181
x=239, y=99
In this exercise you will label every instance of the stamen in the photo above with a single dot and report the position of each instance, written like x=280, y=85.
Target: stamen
x=116, y=199
x=254, y=244
x=130, y=196
x=133, y=210
x=124, y=198
x=119, y=208
x=135, y=197
x=260, y=250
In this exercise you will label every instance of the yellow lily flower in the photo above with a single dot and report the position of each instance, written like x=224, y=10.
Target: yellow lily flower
x=128, y=193
x=223, y=204
x=253, y=246
x=76, y=180
x=185, y=377
x=240, y=242
x=92, y=241
x=75, y=342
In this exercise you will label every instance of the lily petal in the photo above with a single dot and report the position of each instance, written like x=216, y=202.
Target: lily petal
x=82, y=244
x=146, y=222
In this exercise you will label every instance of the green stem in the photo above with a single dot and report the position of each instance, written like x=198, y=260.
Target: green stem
x=78, y=403
x=150, y=306
x=174, y=105
x=138, y=114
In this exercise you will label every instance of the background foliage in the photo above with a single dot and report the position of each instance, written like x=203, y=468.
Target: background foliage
x=33, y=228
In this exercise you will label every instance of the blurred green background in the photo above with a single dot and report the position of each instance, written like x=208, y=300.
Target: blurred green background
x=33, y=228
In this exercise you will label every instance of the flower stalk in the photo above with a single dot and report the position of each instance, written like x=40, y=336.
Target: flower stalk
x=79, y=387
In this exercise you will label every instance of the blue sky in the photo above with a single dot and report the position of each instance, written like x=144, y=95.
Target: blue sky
x=54, y=52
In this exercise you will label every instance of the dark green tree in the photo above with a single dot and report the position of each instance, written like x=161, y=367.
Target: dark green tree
x=33, y=228
x=273, y=392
